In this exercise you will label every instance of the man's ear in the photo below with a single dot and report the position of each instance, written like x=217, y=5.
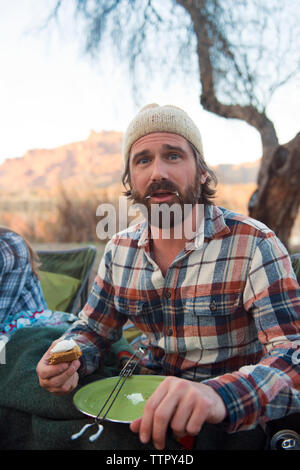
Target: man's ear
x=203, y=177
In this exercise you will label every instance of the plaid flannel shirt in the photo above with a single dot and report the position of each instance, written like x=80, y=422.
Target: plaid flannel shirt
x=227, y=313
x=20, y=290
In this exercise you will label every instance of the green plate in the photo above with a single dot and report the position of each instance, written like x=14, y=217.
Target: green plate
x=126, y=408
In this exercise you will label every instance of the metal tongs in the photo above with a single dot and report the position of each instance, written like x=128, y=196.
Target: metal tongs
x=126, y=372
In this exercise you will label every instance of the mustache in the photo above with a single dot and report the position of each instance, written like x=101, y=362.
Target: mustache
x=164, y=185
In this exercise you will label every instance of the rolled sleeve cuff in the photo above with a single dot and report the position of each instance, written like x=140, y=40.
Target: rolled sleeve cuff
x=90, y=358
x=241, y=402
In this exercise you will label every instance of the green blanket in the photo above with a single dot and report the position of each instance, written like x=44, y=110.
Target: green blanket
x=34, y=419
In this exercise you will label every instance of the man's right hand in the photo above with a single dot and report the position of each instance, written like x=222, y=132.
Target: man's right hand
x=59, y=379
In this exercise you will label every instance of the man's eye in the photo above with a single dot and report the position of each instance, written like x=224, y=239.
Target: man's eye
x=142, y=161
x=173, y=156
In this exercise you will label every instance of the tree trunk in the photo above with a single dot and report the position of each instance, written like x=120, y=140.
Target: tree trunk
x=276, y=202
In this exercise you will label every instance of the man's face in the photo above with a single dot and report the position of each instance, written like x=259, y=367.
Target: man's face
x=163, y=170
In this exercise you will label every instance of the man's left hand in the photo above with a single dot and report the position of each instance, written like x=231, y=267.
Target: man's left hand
x=181, y=404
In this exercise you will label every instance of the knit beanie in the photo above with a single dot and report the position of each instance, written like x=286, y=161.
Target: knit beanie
x=155, y=118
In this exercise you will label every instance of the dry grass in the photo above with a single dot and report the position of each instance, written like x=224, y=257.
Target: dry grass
x=69, y=216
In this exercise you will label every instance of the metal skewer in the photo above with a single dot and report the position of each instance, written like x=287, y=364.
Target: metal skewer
x=173, y=192
x=126, y=372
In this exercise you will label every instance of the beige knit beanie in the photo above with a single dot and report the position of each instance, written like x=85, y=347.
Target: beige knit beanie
x=155, y=118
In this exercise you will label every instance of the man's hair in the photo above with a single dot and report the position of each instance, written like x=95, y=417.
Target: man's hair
x=207, y=190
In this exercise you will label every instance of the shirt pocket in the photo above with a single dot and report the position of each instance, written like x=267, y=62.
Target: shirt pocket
x=146, y=316
x=129, y=307
x=215, y=322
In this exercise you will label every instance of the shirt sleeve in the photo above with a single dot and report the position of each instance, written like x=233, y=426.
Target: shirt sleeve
x=14, y=264
x=99, y=324
x=269, y=389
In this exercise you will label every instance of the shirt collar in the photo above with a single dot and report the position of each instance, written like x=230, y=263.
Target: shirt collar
x=144, y=231
x=213, y=226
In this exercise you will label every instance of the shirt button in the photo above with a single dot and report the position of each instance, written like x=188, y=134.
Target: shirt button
x=167, y=294
x=169, y=332
x=213, y=306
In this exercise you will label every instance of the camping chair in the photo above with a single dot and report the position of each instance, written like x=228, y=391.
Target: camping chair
x=133, y=335
x=64, y=277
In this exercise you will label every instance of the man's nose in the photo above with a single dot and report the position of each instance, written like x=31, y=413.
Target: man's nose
x=159, y=170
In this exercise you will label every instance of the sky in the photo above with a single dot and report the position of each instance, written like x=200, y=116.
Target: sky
x=51, y=94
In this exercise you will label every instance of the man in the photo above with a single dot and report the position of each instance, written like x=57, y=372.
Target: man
x=219, y=304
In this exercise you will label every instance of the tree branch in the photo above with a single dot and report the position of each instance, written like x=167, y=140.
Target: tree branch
x=209, y=100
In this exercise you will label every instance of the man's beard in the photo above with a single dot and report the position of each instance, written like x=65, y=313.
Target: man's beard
x=166, y=215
